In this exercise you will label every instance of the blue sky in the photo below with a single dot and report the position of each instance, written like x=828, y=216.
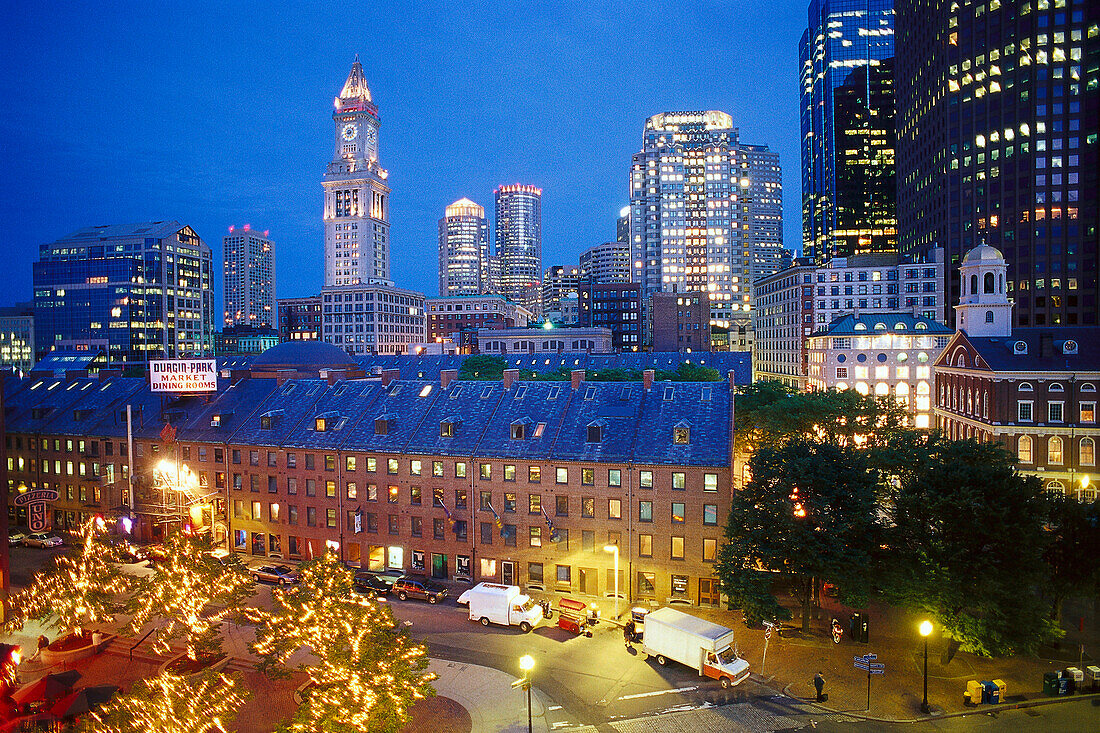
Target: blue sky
x=218, y=114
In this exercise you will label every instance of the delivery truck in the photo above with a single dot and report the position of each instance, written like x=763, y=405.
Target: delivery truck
x=501, y=604
x=701, y=645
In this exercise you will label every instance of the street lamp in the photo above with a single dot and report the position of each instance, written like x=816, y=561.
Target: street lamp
x=925, y=630
x=615, y=549
x=527, y=663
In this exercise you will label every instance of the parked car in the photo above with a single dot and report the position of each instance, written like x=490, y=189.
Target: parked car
x=17, y=537
x=42, y=539
x=380, y=583
x=280, y=574
x=407, y=588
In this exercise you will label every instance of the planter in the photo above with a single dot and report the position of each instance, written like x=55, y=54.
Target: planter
x=73, y=648
x=183, y=666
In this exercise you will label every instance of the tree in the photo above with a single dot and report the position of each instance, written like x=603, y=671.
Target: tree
x=194, y=593
x=367, y=673
x=79, y=592
x=807, y=514
x=171, y=704
x=966, y=544
x=1073, y=545
x=483, y=367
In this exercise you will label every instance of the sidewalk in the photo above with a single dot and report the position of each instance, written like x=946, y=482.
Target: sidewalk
x=488, y=697
x=896, y=695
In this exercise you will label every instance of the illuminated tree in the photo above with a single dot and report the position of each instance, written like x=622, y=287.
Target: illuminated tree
x=368, y=672
x=171, y=704
x=194, y=593
x=81, y=591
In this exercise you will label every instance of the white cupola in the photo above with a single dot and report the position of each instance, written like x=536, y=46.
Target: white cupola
x=984, y=308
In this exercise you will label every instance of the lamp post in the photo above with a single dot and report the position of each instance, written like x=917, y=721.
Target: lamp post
x=925, y=630
x=527, y=663
x=615, y=549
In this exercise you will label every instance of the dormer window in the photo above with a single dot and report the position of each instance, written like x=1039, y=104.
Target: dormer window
x=681, y=434
x=320, y=424
x=519, y=430
x=266, y=422
x=595, y=432
x=921, y=326
x=449, y=427
x=383, y=424
x=216, y=421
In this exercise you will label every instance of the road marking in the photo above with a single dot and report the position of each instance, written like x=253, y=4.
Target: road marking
x=554, y=707
x=658, y=692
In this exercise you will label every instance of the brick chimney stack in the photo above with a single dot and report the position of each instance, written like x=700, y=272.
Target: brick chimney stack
x=510, y=375
x=647, y=378
x=447, y=376
x=576, y=376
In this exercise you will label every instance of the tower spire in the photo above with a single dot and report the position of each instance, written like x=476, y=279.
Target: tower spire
x=355, y=93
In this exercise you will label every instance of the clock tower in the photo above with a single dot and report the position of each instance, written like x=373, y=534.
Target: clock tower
x=357, y=226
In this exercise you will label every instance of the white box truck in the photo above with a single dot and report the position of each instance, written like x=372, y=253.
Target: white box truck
x=501, y=604
x=701, y=645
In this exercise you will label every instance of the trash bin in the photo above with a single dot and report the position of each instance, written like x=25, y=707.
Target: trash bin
x=1064, y=685
x=990, y=693
x=1092, y=678
x=973, y=693
x=1050, y=683
x=1076, y=679
x=1002, y=690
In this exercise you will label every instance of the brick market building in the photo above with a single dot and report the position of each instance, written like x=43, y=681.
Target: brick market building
x=512, y=481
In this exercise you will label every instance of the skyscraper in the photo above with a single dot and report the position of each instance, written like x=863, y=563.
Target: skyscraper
x=519, y=243
x=606, y=263
x=133, y=291
x=705, y=212
x=559, y=281
x=249, y=278
x=997, y=145
x=465, y=266
x=357, y=226
x=848, y=133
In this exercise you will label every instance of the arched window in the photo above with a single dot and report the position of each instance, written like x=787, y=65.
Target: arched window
x=862, y=388
x=973, y=284
x=1088, y=452
x=969, y=402
x=923, y=388
x=1088, y=387
x=989, y=316
x=1056, y=488
x=882, y=389
x=1023, y=449
x=1057, y=388
x=989, y=282
x=1054, y=451
x=902, y=388
x=960, y=360
x=1024, y=387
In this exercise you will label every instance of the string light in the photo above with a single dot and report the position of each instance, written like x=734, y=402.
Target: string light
x=172, y=704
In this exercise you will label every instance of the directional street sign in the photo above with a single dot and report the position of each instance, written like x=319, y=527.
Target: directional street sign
x=870, y=668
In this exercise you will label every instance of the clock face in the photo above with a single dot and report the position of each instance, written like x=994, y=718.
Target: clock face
x=370, y=135
x=350, y=132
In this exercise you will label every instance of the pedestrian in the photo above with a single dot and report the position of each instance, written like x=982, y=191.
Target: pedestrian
x=628, y=633
x=819, y=685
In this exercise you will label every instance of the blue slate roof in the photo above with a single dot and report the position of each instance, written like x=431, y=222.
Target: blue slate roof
x=233, y=407
x=287, y=405
x=469, y=407
x=403, y=405
x=343, y=405
x=1001, y=356
x=529, y=404
x=868, y=324
x=614, y=408
x=44, y=401
x=703, y=407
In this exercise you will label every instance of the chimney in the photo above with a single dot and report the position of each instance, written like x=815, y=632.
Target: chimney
x=238, y=375
x=1046, y=343
x=447, y=376
x=388, y=375
x=335, y=375
x=732, y=377
x=916, y=308
x=576, y=376
x=105, y=374
x=509, y=376
x=74, y=374
x=647, y=378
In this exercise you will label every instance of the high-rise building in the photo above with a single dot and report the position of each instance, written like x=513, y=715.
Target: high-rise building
x=357, y=222
x=300, y=319
x=705, y=212
x=783, y=315
x=557, y=282
x=997, y=145
x=519, y=243
x=133, y=291
x=17, y=336
x=249, y=278
x=622, y=225
x=848, y=133
x=372, y=318
x=465, y=266
x=606, y=263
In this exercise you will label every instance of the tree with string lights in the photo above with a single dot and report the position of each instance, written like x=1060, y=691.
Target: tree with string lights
x=365, y=671
x=194, y=593
x=171, y=704
x=80, y=592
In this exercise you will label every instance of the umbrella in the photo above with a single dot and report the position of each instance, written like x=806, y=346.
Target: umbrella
x=49, y=688
x=83, y=700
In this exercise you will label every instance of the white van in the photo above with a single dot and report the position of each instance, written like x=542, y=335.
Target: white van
x=501, y=604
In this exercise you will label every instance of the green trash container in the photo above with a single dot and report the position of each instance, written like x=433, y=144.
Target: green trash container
x=1050, y=683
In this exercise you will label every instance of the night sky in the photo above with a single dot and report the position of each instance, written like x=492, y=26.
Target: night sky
x=220, y=114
